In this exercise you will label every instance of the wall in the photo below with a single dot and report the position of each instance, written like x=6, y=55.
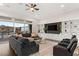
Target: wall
x=60, y=36
x=73, y=28
x=34, y=26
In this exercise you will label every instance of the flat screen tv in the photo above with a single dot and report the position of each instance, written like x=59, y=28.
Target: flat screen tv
x=53, y=28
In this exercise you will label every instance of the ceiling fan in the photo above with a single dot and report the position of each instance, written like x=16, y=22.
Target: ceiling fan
x=32, y=7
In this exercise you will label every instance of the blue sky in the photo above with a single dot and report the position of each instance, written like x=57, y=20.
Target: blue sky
x=11, y=24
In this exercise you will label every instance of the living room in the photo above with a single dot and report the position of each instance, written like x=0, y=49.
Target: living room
x=39, y=29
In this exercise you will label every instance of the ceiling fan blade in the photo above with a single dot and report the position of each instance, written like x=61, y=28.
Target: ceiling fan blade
x=34, y=5
x=27, y=5
x=27, y=9
x=31, y=5
x=36, y=8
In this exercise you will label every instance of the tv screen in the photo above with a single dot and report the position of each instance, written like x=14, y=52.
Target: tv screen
x=53, y=28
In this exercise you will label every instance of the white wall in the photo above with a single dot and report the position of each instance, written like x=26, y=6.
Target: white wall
x=34, y=26
x=60, y=36
x=72, y=16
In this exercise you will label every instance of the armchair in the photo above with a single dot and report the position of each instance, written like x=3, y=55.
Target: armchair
x=65, y=47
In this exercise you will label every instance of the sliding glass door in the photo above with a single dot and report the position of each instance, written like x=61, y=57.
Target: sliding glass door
x=6, y=28
x=21, y=27
x=10, y=28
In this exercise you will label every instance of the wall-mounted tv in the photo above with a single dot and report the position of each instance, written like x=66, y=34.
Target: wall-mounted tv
x=53, y=28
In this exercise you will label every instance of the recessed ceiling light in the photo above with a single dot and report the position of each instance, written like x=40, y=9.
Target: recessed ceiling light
x=62, y=5
x=1, y=4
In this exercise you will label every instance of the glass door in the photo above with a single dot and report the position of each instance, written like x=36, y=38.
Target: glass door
x=10, y=28
x=6, y=29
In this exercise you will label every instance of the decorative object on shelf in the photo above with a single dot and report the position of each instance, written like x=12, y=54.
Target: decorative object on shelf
x=66, y=26
x=65, y=23
x=70, y=22
x=65, y=30
x=75, y=26
x=33, y=7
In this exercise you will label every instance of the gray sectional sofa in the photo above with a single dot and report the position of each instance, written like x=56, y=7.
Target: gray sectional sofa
x=22, y=46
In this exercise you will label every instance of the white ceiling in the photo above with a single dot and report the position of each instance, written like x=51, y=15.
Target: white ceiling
x=47, y=10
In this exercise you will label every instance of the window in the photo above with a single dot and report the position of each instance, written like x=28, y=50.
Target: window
x=9, y=28
x=6, y=28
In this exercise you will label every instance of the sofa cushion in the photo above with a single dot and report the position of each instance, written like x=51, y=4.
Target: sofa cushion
x=23, y=40
x=64, y=44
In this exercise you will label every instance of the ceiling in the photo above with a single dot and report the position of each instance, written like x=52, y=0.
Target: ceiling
x=46, y=10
